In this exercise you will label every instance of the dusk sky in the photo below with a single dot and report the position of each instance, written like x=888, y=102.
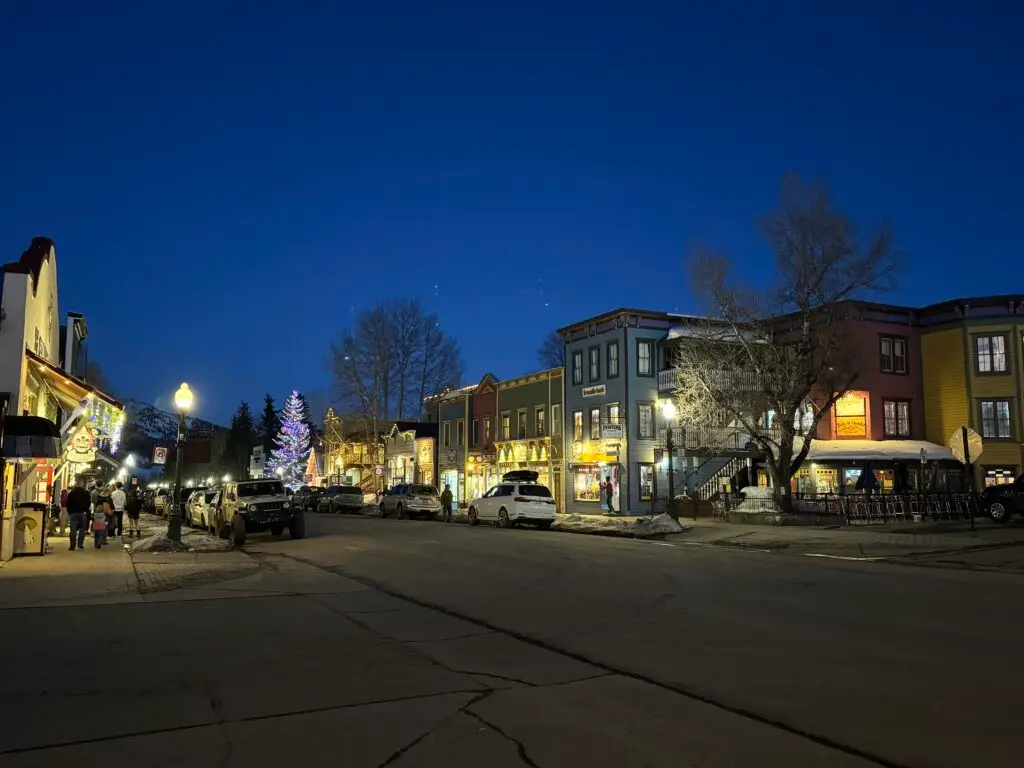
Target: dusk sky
x=227, y=184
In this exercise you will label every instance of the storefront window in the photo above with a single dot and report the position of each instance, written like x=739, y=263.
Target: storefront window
x=851, y=415
x=646, y=482
x=825, y=479
x=1000, y=475
x=587, y=486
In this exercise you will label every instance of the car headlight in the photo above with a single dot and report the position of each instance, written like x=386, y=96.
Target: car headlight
x=285, y=505
x=252, y=507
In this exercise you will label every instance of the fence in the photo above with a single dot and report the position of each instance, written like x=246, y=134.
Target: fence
x=856, y=509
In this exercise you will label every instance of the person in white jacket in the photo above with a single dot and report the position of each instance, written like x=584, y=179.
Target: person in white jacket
x=118, y=500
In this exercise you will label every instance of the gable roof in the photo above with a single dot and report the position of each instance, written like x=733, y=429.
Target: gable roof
x=32, y=260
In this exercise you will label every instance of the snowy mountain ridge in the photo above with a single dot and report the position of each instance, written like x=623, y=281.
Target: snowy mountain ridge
x=158, y=424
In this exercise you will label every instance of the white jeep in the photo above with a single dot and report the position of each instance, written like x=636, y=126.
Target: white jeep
x=253, y=506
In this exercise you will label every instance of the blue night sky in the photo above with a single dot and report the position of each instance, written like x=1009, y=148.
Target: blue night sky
x=228, y=184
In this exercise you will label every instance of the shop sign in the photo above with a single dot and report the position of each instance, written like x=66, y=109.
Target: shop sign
x=521, y=452
x=595, y=391
x=81, y=448
x=611, y=432
x=160, y=455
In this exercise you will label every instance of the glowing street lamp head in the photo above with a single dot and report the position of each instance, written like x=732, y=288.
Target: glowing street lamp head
x=668, y=409
x=226, y=478
x=183, y=397
x=130, y=460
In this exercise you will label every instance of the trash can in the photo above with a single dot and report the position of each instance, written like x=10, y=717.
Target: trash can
x=30, y=528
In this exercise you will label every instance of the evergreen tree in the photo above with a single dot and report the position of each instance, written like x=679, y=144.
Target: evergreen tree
x=270, y=425
x=291, y=446
x=241, y=439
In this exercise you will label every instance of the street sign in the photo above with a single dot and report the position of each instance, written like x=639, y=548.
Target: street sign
x=378, y=471
x=160, y=455
x=973, y=448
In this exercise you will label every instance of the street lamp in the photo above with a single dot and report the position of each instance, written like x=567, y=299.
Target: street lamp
x=129, y=460
x=183, y=402
x=226, y=478
x=668, y=410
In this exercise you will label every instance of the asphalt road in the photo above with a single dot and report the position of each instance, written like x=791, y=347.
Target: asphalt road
x=380, y=642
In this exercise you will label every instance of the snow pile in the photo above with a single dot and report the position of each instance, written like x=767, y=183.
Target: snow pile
x=193, y=541
x=606, y=525
x=370, y=510
x=758, y=500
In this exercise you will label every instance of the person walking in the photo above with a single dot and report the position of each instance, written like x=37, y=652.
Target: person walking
x=118, y=499
x=63, y=519
x=78, y=503
x=446, y=502
x=133, y=506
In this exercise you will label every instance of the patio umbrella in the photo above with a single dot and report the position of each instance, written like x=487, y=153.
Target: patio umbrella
x=867, y=482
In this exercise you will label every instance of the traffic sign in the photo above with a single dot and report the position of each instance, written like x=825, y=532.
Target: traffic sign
x=969, y=452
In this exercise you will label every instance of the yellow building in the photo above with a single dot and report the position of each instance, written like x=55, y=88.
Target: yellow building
x=972, y=358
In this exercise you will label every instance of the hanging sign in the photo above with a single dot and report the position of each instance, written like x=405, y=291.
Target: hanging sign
x=160, y=455
x=81, y=447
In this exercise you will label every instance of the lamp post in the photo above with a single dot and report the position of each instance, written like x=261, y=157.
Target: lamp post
x=668, y=410
x=183, y=402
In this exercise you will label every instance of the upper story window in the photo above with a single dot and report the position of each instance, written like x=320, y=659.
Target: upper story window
x=645, y=420
x=893, y=354
x=476, y=432
x=487, y=429
x=577, y=367
x=644, y=357
x=990, y=354
x=577, y=425
x=613, y=413
x=460, y=432
x=506, y=426
x=996, y=421
x=896, y=418
x=594, y=354
x=613, y=359
x=556, y=419
x=539, y=414
x=446, y=434
x=521, y=423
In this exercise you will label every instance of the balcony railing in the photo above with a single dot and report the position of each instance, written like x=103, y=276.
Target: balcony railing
x=668, y=381
x=714, y=439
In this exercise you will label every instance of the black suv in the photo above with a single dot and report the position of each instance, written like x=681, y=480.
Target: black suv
x=1001, y=501
x=307, y=497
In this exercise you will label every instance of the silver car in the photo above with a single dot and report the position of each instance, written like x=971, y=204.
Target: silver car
x=411, y=500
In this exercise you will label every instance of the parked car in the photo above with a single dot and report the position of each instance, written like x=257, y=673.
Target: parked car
x=186, y=494
x=341, y=498
x=162, y=501
x=1000, y=502
x=307, y=497
x=201, y=508
x=411, y=500
x=518, y=498
x=253, y=506
x=149, y=501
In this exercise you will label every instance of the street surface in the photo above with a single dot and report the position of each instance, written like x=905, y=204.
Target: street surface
x=380, y=642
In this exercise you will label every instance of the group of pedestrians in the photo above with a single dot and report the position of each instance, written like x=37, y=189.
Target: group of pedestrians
x=100, y=510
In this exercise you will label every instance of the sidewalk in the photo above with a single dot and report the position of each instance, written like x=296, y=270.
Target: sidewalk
x=895, y=540
x=111, y=574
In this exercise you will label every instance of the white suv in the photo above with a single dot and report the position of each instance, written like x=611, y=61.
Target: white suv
x=519, y=498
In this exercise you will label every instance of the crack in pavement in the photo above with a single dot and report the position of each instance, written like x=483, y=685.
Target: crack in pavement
x=237, y=720
x=433, y=729
x=217, y=707
x=520, y=747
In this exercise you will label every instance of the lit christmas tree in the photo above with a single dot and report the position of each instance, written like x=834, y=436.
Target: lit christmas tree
x=291, y=446
x=312, y=476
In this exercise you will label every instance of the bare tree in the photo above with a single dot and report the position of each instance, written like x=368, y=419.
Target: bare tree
x=95, y=376
x=781, y=353
x=551, y=352
x=394, y=357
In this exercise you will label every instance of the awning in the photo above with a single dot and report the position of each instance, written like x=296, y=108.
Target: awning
x=69, y=390
x=875, y=450
x=31, y=437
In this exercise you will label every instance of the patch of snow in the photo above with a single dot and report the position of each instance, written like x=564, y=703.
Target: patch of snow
x=158, y=542
x=864, y=450
x=758, y=500
x=656, y=526
x=191, y=541
x=638, y=527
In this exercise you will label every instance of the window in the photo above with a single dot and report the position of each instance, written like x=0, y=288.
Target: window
x=896, y=418
x=538, y=419
x=577, y=367
x=487, y=429
x=613, y=413
x=476, y=432
x=587, y=484
x=1000, y=475
x=595, y=423
x=613, y=359
x=990, y=354
x=594, y=354
x=644, y=357
x=446, y=434
x=506, y=425
x=460, y=432
x=556, y=419
x=645, y=420
x=521, y=423
x=851, y=415
x=646, y=482
x=893, y=354
x=577, y=425
x=995, y=419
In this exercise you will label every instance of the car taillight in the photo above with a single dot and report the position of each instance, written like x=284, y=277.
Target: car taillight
x=520, y=498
